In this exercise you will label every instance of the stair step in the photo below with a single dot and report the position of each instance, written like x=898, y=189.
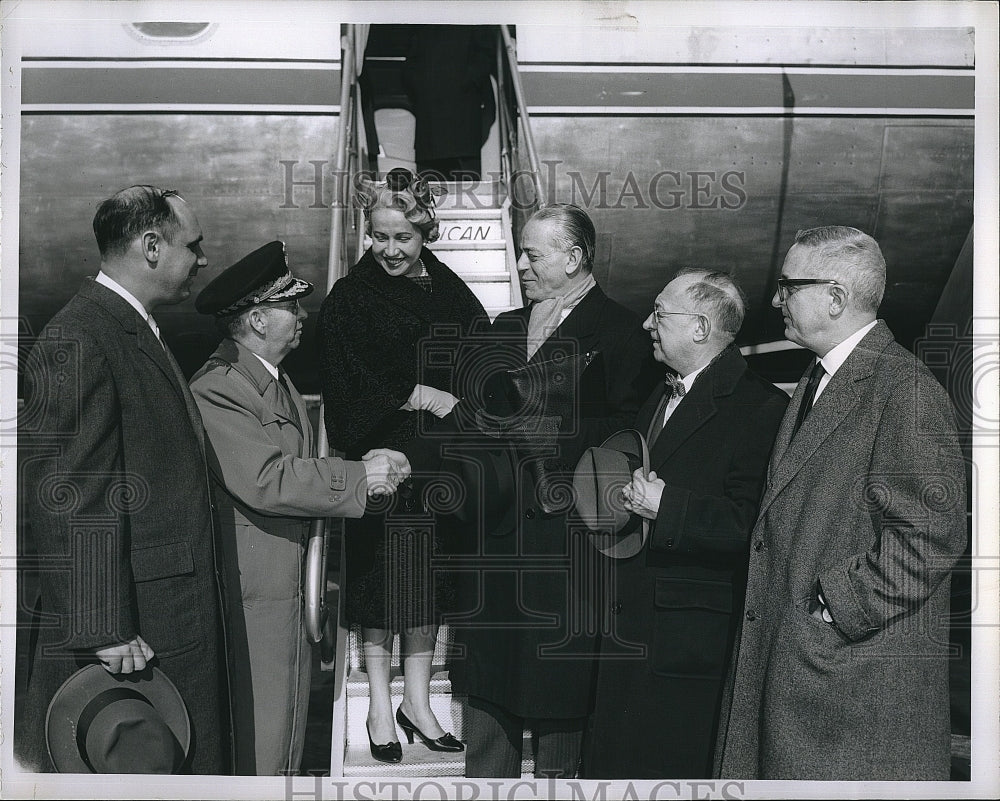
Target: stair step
x=485, y=278
x=356, y=659
x=357, y=682
x=471, y=244
x=490, y=294
x=495, y=311
x=474, y=196
x=418, y=760
x=492, y=260
x=467, y=214
x=447, y=708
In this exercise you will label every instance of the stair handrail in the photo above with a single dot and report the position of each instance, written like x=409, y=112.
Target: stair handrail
x=507, y=141
x=522, y=112
x=314, y=589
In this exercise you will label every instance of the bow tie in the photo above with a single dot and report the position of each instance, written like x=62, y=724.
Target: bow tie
x=675, y=387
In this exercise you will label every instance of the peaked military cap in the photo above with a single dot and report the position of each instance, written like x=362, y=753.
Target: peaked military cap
x=261, y=277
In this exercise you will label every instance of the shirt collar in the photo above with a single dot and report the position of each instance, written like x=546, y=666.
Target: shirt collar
x=688, y=380
x=268, y=366
x=838, y=355
x=105, y=280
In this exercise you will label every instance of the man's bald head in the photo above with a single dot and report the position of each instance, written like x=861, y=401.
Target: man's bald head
x=716, y=295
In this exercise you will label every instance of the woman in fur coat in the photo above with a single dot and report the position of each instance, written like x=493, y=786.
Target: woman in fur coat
x=375, y=327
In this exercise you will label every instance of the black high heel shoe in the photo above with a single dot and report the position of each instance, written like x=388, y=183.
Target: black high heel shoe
x=446, y=742
x=390, y=752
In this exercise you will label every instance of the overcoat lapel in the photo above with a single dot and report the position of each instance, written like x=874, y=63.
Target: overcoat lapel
x=149, y=346
x=249, y=366
x=651, y=410
x=698, y=406
x=840, y=397
x=691, y=414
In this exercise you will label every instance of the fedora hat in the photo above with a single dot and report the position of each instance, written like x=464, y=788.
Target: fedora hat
x=600, y=475
x=126, y=723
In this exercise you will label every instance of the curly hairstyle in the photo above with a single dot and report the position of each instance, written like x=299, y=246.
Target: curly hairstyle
x=404, y=192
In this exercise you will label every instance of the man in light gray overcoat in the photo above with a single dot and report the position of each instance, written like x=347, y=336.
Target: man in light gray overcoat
x=841, y=670
x=268, y=485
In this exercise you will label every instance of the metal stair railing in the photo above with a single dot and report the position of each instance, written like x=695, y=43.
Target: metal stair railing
x=509, y=127
x=320, y=623
x=316, y=613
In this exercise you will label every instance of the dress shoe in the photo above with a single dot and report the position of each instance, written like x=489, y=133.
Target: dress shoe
x=390, y=752
x=443, y=743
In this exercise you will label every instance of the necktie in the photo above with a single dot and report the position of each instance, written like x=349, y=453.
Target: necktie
x=189, y=402
x=815, y=376
x=156, y=331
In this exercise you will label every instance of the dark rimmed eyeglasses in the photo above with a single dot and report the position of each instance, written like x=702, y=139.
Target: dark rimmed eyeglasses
x=785, y=284
x=660, y=313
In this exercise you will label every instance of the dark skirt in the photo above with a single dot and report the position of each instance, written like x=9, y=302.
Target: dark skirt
x=397, y=574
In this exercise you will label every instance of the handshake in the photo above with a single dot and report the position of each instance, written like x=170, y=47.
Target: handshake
x=385, y=470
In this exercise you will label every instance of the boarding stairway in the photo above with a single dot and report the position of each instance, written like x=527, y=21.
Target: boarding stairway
x=477, y=234
x=418, y=760
x=476, y=242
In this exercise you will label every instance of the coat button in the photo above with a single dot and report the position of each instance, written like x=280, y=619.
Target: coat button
x=669, y=543
x=530, y=514
x=616, y=608
x=759, y=545
x=751, y=615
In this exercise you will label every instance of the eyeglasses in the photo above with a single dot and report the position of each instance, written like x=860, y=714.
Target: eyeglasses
x=286, y=305
x=660, y=314
x=785, y=284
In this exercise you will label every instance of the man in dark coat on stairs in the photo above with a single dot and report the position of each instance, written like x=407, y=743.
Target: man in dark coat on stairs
x=447, y=76
x=115, y=484
x=528, y=637
x=673, y=607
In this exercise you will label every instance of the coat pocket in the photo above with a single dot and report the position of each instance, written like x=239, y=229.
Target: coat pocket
x=821, y=642
x=691, y=627
x=162, y=561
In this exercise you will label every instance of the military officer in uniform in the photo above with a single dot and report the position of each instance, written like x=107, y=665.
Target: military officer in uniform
x=268, y=484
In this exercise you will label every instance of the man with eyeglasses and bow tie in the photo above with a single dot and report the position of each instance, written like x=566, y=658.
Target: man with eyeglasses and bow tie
x=710, y=426
x=841, y=670
x=269, y=484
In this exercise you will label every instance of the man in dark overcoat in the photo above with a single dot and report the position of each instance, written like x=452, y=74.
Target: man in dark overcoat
x=674, y=606
x=447, y=76
x=528, y=646
x=841, y=668
x=115, y=484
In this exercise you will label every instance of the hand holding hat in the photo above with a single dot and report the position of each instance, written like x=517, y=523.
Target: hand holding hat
x=126, y=657
x=642, y=495
x=100, y=723
x=608, y=503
